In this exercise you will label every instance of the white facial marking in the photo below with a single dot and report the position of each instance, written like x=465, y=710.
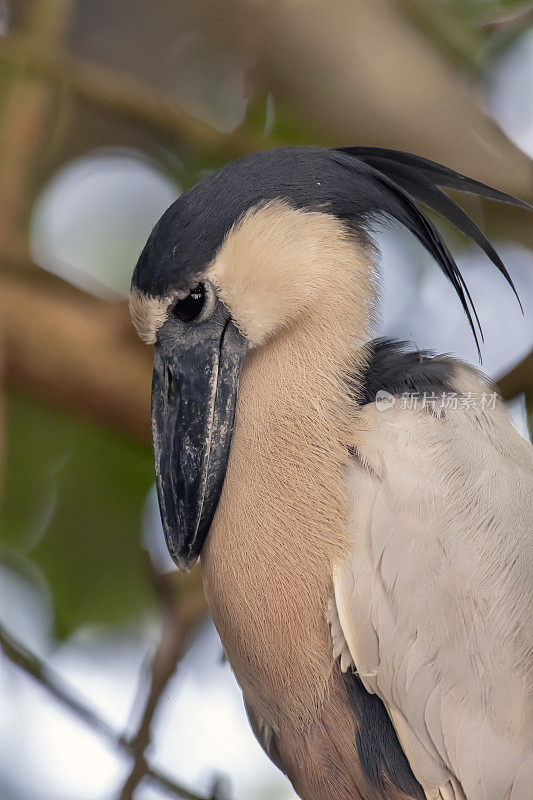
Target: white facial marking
x=148, y=314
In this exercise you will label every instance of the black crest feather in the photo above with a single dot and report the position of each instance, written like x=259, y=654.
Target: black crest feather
x=411, y=179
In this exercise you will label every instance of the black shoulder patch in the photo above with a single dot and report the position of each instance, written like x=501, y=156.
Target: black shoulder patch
x=397, y=368
x=382, y=758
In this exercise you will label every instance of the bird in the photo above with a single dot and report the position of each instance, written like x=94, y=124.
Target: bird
x=366, y=559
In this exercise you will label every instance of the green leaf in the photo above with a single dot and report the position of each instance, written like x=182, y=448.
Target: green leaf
x=72, y=505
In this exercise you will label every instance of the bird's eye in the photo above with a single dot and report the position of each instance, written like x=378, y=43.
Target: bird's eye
x=196, y=305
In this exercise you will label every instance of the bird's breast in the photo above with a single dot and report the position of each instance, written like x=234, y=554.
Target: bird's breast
x=279, y=528
x=274, y=634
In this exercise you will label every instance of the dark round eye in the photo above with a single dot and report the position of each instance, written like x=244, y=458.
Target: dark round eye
x=190, y=308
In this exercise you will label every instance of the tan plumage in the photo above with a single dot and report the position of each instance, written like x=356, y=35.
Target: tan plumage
x=283, y=503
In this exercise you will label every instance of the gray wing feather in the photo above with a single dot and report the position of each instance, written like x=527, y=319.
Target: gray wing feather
x=435, y=602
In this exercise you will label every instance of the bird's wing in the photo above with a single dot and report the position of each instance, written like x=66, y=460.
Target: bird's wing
x=435, y=599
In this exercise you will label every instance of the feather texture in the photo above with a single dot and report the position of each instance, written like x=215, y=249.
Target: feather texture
x=409, y=178
x=422, y=188
x=435, y=604
x=354, y=184
x=438, y=173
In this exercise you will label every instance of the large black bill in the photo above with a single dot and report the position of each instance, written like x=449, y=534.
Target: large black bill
x=194, y=391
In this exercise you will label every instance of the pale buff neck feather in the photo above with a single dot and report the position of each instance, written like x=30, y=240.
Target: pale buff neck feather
x=281, y=520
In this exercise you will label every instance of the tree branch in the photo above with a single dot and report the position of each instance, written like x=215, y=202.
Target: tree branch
x=517, y=19
x=518, y=380
x=77, y=352
x=363, y=96
x=179, y=620
x=26, y=119
x=45, y=677
x=439, y=23
x=123, y=95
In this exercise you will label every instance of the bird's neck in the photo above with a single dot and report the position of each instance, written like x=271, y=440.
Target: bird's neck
x=281, y=521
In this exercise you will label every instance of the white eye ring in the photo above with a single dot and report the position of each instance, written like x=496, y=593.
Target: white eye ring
x=196, y=305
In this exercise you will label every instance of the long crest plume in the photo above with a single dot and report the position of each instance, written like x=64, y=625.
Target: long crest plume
x=409, y=180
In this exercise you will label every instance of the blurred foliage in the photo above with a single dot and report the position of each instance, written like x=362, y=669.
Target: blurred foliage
x=278, y=125
x=73, y=500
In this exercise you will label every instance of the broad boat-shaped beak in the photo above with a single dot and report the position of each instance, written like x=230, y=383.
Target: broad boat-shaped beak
x=194, y=392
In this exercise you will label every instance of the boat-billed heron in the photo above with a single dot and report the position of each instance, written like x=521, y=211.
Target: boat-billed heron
x=367, y=560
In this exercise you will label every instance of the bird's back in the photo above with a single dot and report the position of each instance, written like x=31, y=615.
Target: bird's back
x=435, y=604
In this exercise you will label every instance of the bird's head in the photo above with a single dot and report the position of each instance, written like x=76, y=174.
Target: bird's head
x=250, y=250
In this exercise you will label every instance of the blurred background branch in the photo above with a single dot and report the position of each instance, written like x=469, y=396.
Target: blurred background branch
x=515, y=19
x=60, y=356
x=179, y=621
x=49, y=681
x=122, y=95
x=27, y=108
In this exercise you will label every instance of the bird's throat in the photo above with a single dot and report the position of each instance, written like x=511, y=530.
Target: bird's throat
x=281, y=520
